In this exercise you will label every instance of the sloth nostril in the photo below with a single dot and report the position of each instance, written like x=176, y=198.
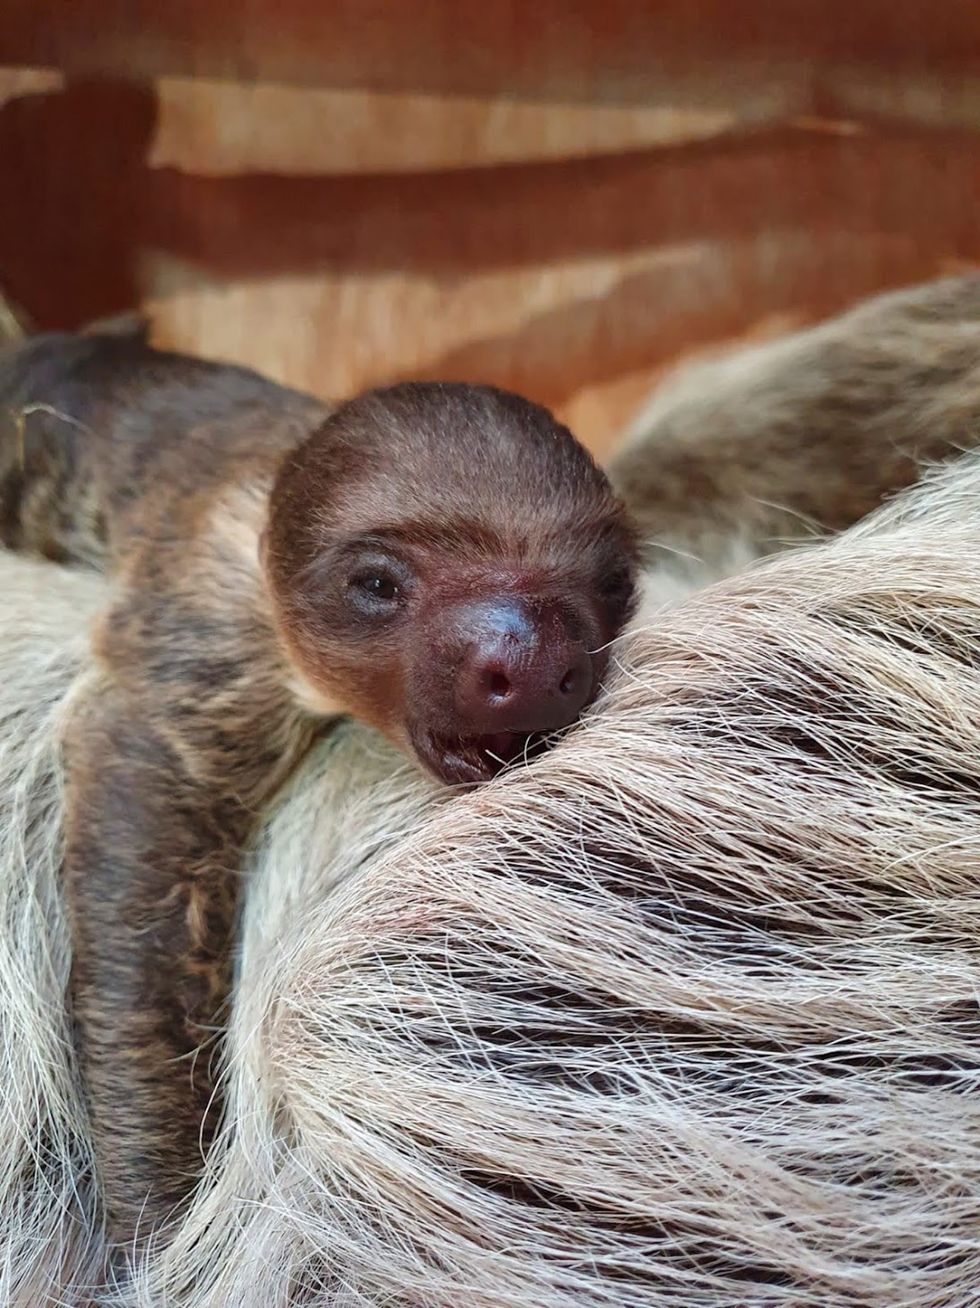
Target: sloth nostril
x=499, y=685
x=569, y=682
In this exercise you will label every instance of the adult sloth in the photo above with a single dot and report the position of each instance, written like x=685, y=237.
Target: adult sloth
x=684, y=1014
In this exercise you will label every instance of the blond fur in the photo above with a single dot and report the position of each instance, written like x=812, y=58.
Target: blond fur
x=684, y=1015
x=48, y=1219
x=735, y=457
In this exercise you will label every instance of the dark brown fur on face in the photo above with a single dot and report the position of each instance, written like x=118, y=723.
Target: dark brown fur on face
x=444, y=562
x=502, y=561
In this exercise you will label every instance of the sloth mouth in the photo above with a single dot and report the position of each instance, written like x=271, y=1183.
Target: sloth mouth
x=471, y=760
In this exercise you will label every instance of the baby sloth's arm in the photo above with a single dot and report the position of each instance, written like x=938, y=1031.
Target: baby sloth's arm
x=157, y=470
x=169, y=757
x=444, y=562
x=151, y=864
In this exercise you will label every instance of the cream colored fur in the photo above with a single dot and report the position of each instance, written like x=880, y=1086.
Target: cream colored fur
x=684, y=1015
x=737, y=456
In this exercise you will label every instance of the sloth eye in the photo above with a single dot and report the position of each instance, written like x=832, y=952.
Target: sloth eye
x=380, y=587
x=374, y=588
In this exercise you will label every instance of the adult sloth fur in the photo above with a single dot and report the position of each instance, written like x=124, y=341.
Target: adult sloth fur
x=683, y=1015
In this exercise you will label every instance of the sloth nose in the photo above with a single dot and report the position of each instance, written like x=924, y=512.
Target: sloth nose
x=523, y=671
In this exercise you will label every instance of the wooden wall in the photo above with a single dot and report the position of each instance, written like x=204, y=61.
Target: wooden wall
x=559, y=196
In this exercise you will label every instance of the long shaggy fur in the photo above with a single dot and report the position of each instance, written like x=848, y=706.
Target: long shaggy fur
x=734, y=457
x=48, y=1220
x=684, y=1015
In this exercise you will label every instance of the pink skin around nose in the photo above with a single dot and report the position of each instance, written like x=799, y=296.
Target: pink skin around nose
x=521, y=670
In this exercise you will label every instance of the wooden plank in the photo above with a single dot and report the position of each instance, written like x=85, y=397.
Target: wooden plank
x=218, y=128
x=591, y=50
x=401, y=198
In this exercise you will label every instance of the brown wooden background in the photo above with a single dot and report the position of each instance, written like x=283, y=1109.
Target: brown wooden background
x=554, y=195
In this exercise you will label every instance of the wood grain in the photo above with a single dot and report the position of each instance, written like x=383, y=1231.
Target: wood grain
x=350, y=193
x=560, y=50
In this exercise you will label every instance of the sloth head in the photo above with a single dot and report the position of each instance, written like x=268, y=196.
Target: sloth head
x=447, y=563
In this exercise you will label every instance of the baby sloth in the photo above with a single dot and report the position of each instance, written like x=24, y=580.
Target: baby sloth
x=442, y=561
